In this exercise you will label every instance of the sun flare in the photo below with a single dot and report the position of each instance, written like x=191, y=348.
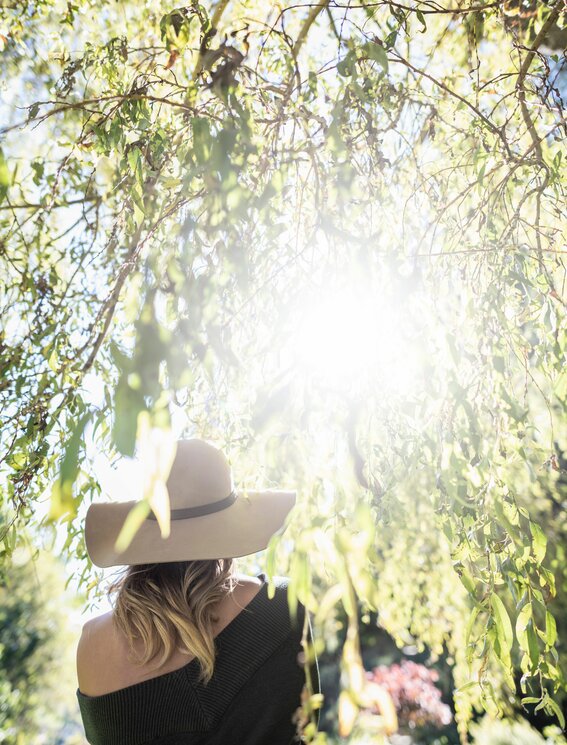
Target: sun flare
x=345, y=337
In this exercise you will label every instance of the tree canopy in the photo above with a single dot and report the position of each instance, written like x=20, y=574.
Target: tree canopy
x=329, y=237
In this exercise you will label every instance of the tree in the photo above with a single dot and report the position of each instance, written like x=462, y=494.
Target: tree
x=36, y=647
x=327, y=236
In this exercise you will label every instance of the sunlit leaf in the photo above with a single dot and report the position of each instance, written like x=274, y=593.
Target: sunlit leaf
x=377, y=52
x=539, y=542
x=4, y=176
x=62, y=499
x=134, y=520
x=550, y=629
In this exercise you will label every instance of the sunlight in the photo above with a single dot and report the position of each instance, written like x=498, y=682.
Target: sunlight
x=347, y=336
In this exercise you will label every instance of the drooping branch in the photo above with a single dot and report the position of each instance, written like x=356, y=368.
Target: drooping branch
x=309, y=21
x=538, y=41
x=36, y=206
x=524, y=69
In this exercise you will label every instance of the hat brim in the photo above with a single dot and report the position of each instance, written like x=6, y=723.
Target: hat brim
x=239, y=530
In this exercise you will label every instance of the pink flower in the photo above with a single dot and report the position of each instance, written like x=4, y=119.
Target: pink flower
x=413, y=691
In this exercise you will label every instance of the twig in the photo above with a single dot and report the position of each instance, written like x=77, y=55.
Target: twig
x=30, y=206
x=493, y=128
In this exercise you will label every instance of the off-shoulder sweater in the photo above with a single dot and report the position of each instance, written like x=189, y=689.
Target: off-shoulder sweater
x=250, y=700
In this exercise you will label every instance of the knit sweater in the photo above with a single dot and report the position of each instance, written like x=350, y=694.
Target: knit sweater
x=250, y=700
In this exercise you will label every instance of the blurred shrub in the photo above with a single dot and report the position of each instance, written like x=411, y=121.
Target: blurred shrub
x=415, y=695
x=37, y=685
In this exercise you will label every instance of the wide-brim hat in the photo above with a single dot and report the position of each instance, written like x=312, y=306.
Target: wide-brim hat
x=210, y=519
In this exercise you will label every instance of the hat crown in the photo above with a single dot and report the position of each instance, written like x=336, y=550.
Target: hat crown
x=200, y=475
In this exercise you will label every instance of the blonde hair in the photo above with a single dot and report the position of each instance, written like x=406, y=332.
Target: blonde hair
x=172, y=606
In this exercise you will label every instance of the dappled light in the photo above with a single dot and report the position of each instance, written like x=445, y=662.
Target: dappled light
x=328, y=238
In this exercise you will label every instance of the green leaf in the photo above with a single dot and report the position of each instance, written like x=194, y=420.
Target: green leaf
x=550, y=629
x=53, y=361
x=202, y=140
x=552, y=707
x=138, y=205
x=524, y=617
x=539, y=542
x=468, y=581
x=502, y=620
x=175, y=28
x=270, y=563
x=533, y=644
x=330, y=599
x=135, y=163
x=70, y=463
x=128, y=403
x=344, y=67
x=33, y=111
x=4, y=177
x=377, y=53
x=516, y=411
x=497, y=360
x=467, y=686
x=62, y=501
x=10, y=538
x=469, y=647
x=421, y=19
x=543, y=701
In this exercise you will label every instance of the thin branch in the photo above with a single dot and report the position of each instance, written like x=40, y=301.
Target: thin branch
x=538, y=41
x=425, y=10
x=136, y=96
x=31, y=206
x=309, y=21
x=136, y=246
x=219, y=10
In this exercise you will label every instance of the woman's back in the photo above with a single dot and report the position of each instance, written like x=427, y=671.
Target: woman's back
x=103, y=653
x=255, y=688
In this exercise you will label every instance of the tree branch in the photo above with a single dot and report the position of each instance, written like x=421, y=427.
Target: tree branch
x=309, y=21
x=493, y=128
x=31, y=206
x=538, y=41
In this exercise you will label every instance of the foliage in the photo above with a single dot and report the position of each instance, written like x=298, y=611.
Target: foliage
x=36, y=645
x=181, y=187
x=502, y=732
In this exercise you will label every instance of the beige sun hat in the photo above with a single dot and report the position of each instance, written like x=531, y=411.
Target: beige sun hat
x=209, y=518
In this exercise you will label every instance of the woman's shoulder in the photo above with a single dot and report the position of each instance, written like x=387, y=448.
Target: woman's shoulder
x=248, y=587
x=96, y=631
x=245, y=581
x=102, y=650
x=97, y=649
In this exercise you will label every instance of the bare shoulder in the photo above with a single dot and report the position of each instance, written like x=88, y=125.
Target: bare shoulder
x=94, y=629
x=246, y=587
x=246, y=581
x=96, y=638
x=243, y=592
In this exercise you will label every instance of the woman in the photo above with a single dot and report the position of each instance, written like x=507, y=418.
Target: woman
x=193, y=654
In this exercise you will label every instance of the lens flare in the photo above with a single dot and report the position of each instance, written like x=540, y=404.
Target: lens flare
x=345, y=336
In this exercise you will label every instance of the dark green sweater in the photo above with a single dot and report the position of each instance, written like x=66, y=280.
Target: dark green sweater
x=250, y=700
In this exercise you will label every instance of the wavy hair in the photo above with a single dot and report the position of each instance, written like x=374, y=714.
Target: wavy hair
x=170, y=607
